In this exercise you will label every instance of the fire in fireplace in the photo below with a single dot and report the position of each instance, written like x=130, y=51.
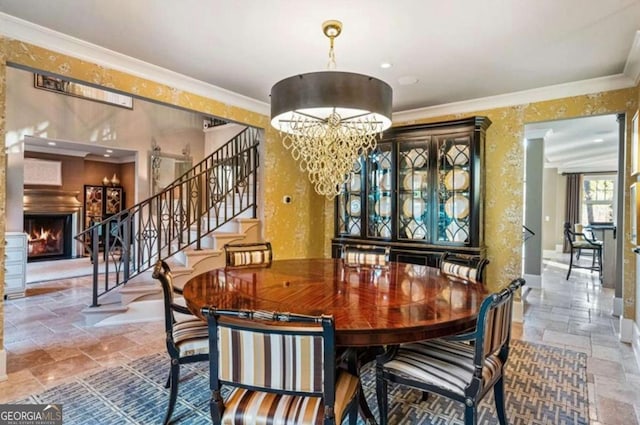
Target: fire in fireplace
x=48, y=236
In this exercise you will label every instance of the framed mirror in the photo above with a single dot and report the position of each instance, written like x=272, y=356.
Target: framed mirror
x=165, y=168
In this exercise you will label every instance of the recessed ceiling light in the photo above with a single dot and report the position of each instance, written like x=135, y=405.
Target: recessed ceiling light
x=109, y=151
x=51, y=143
x=386, y=65
x=598, y=140
x=106, y=155
x=407, y=80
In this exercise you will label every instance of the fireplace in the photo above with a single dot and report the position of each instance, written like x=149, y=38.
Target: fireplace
x=51, y=221
x=48, y=236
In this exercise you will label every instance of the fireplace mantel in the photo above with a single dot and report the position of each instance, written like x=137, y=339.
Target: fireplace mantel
x=51, y=200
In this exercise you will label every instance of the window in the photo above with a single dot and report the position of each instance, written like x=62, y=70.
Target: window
x=598, y=195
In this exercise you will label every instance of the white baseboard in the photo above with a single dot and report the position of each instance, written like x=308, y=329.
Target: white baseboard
x=617, y=307
x=517, y=313
x=636, y=343
x=626, y=330
x=533, y=281
x=3, y=365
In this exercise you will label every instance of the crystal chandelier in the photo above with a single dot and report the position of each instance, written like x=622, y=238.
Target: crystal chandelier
x=329, y=119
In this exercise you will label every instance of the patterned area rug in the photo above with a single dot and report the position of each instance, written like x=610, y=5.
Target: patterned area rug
x=544, y=385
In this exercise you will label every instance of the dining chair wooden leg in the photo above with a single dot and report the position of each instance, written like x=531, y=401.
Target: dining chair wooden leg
x=498, y=395
x=173, y=391
x=570, y=265
x=471, y=414
x=381, y=395
x=353, y=411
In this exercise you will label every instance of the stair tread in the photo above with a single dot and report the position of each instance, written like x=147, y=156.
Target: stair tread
x=203, y=251
x=117, y=308
x=150, y=287
x=223, y=233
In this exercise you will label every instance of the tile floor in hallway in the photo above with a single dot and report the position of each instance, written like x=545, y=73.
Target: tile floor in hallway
x=47, y=340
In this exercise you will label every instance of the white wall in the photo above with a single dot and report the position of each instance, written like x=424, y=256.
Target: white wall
x=219, y=135
x=36, y=112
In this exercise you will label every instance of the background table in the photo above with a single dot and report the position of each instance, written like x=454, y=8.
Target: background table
x=370, y=306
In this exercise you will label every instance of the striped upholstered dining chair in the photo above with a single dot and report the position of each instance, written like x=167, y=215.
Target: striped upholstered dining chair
x=451, y=366
x=257, y=254
x=366, y=256
x=187, y=339
x=280, y=373
x=467, y=268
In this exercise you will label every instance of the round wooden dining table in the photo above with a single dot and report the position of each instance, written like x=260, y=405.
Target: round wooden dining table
x=371, y=307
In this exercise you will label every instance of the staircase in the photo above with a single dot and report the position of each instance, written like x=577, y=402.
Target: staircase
x=187, y=224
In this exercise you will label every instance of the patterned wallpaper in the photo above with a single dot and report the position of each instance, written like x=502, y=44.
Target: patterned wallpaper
x=304, y=227
x=3, y=185
x=504, y=162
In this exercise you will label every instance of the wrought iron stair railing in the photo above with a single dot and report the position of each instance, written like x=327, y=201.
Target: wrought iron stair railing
x=212, y=193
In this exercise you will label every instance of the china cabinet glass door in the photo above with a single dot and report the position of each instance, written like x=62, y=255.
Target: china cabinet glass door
x=453, y=203
x=350, y=206
x=380, y=187
x=413, y=202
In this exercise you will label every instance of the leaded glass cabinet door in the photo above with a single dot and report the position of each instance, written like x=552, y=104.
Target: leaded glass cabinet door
x=413, y=201
x=453, y=201
x=113, y=203
x=349, y=214
x=93, y=205
x=380, y=188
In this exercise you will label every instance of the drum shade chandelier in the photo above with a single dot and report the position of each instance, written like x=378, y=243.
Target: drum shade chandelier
x=329, y=119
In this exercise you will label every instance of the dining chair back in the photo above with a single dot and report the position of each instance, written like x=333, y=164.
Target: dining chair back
x=186, y=339
x=281, y=368
x=580, y=241
x=366, y=256
x=467, y=268
x=257, y=254
x=461, y=367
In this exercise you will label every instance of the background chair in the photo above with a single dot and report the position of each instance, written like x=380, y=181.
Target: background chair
x=297, y=383
x=366, y=256
x=578, y=242
x=248, y=254
x=187, y=340
x=453, y=368
x=468, y=268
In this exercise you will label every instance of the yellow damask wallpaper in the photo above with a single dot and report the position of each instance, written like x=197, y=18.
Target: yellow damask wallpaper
x=504, y=159
x=304, y=227
x=3, y=186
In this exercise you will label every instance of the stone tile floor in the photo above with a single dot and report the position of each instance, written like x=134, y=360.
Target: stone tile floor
x=47, y=340
x=576, y=314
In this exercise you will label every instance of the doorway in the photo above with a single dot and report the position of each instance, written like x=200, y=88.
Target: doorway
x=590, y=150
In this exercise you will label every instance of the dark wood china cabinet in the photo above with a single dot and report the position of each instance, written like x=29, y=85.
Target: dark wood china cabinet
x=420, y=192
x=100, y=203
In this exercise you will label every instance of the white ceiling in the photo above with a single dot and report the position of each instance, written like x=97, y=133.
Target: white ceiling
x=456, y=50
x=579, y=145
x=91, y=151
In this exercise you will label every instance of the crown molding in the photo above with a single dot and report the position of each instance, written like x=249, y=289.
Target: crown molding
x=22, y=30
x=577, y=88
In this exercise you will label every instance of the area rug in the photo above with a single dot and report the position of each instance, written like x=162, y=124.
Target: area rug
x=544, y=385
